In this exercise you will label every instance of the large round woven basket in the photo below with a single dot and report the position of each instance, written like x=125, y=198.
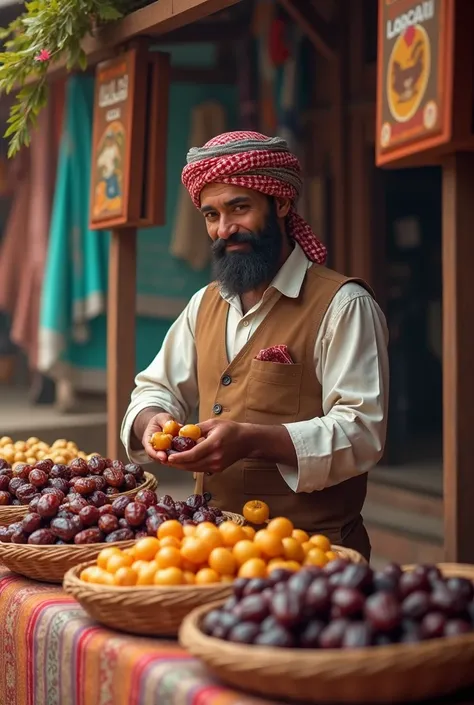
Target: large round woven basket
x=50, y=563
x=377, y=674
x=147, y=610
x=10, y=514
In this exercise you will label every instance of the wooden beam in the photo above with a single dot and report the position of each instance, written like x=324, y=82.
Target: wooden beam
x=316, y=28
x=153, y=20
x=458, y=356
x=120, y=333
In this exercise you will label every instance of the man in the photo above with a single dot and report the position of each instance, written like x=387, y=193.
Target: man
x=286, y=359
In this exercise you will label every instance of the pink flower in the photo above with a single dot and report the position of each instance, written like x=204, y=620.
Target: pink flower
x=44, y=55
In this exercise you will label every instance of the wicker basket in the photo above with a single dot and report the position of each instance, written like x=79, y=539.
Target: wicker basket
x=349, y=554
x=384, y=674
x=11, y=514
x=152, y=611
x=50, y=563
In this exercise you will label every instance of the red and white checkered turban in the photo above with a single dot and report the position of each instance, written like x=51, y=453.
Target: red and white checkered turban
x=257, y=162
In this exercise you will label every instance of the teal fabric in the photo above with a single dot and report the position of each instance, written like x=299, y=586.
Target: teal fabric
x=73, y=306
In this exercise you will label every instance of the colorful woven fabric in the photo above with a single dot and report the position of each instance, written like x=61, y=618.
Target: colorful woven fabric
x=53, y=654
x=257, y=162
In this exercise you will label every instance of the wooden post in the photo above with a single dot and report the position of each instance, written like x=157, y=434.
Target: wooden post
x=458, y=357
x=120, y=333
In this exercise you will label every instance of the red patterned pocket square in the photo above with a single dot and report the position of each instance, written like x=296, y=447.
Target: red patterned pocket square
x=277, y=353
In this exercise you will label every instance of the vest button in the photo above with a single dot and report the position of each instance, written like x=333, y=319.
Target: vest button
x=217, y=409
x=226, y=380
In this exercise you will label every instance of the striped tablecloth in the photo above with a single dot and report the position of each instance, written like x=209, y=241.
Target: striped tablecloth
x=51, y=653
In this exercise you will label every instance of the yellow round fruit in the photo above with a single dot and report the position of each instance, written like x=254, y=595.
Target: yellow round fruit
x=105, y=554
x=331, y=555
x=222, y=561
x=190, y=431
x=168, y=557
x=172, y=527
x=292, y=565
x=316, y=557
x=292, y=549
x=171, y=427
x=207, y=576
x=146, y=575
x=170, y=541
x=169, y=576
x=195, y=550
x=274, y=564
x=300, y=535
x=32, y=441
x=118, y=561
x=254, y=568
x=189, y=530
x=256, y=512
x=210, y=535
x=269, y=543
x=188, y=577
x=161, y=441
x=249, y=531
x=147, y=548
x=245, y=550
x=231, y=533
x=125, y=576
x=321, y=542
x=281, y=526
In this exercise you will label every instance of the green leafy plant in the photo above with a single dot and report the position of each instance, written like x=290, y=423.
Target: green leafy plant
x=48, y=31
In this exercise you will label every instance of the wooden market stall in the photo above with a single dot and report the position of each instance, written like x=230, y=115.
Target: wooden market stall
x=345, y=200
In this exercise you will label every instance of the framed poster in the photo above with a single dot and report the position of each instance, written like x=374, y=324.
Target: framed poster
x=129, y=140
x=414, y=77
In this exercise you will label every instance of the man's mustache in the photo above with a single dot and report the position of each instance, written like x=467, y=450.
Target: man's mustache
x=219, y=246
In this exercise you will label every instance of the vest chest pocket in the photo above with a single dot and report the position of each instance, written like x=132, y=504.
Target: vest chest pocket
x=273, y=392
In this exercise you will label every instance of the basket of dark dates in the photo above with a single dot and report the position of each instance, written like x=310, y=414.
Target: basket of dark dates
x=22, y=483
x=343, y=633
x=59, y=531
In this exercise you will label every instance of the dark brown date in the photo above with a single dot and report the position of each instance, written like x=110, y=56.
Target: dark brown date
x=129, y=482
x=33, y=505
x=5, y=534
x=309, y=637
x=89, y=515
x=357, y=635
x=152, y=524
x=98, y=498
x=120, y=504
x=48, y=505
x=123, y=524
x=148, y=498
x=4, y=482
x=181, y=443
x=106, y=509
x=42, y=537
x=111, y=491
x=96, y=465
x=19, y=536
x=31, y=522
x=108, y=523
x=92, y=535
x=7, y=471
x=38, y=478
x=114, y=477
x=120, y=535
x=100, y=482
x=59, y=471
x=84, y=485
x=14, y=484
x=22, y=470
x=45, y=465
x=331, y=637
x=55, y=492
x=383, y=611
x=4, y=465
x=79, y=468
x=117, y=465
x=135, y=513
x=76, y=505
x=135, y=470
x=5, y=498
x=26, y=492
x=63, y=528
x=59, y=483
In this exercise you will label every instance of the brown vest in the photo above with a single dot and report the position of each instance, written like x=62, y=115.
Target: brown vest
x=252, y=391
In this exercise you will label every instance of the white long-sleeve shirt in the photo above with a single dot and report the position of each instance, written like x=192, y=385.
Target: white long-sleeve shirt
x=351, y=362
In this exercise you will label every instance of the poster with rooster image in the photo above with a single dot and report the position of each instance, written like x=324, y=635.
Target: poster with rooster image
x=411, y=75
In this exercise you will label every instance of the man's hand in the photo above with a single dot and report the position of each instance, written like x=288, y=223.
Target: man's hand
x=223, y=444
x=155, y=424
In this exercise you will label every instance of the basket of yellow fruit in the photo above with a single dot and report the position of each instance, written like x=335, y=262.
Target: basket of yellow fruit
x=150, y=587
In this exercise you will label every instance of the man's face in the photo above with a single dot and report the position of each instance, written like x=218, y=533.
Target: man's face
x=247, y=231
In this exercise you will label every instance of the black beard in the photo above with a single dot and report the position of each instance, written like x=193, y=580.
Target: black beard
x=241, y=272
